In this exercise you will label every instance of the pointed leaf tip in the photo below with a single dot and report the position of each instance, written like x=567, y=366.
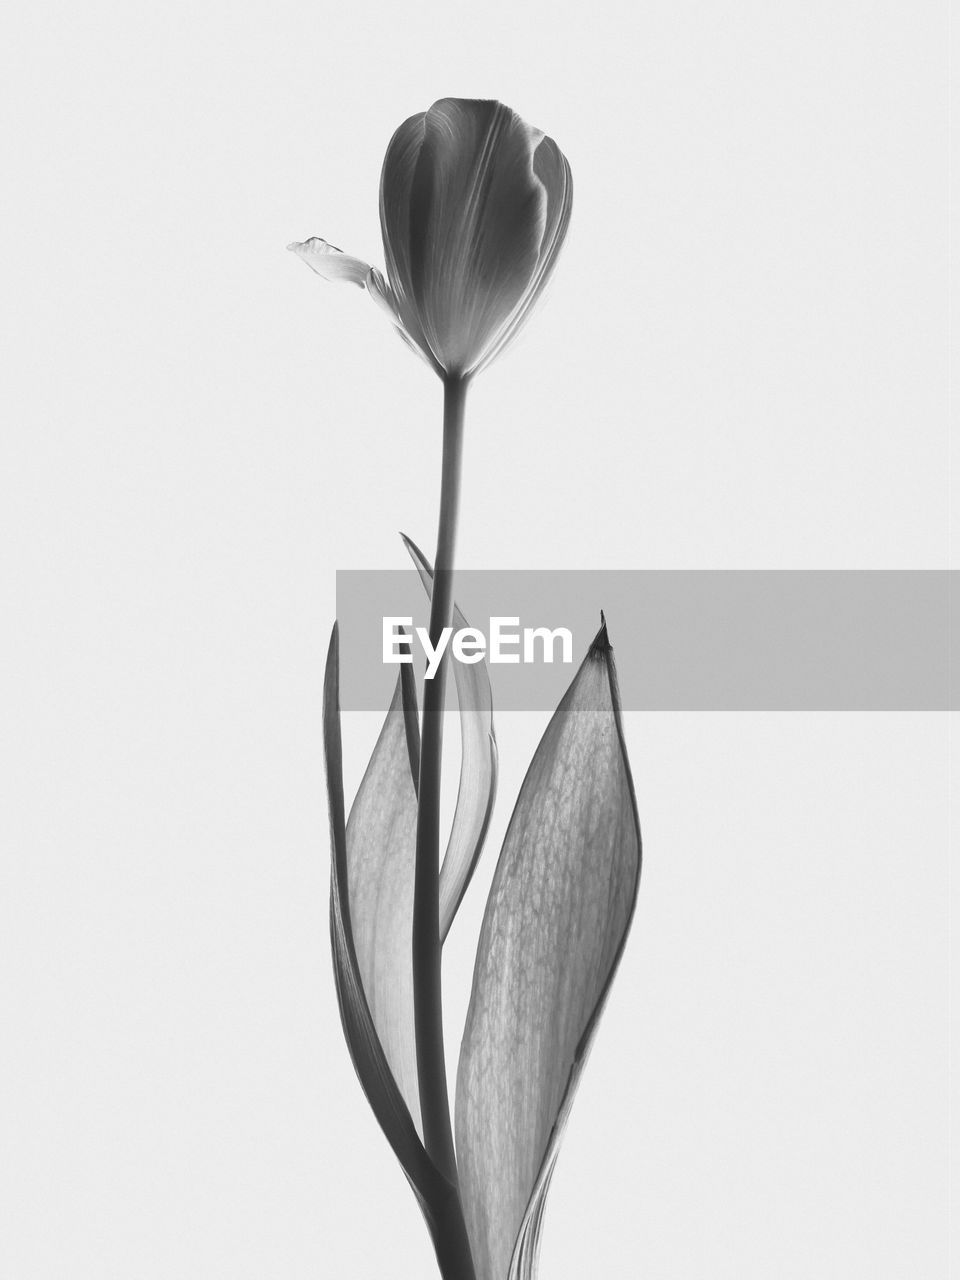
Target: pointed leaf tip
x=601, y=641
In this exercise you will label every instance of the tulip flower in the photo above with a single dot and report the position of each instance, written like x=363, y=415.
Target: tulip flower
x=474, y=207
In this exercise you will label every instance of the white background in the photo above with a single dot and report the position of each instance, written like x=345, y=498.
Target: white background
x=743, y=363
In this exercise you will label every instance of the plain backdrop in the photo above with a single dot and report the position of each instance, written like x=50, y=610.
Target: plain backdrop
x=742, y=363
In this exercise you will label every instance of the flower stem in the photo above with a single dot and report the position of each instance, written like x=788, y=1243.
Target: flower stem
x=428, y=1012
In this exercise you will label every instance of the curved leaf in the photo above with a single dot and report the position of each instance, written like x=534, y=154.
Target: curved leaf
x=478, y=766
x=381, y=849
x=560, y=907
x=350, y=930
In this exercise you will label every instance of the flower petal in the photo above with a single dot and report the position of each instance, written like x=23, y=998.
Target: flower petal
x=553, y=171
x=396, y=180
x=476, y=221
x=478, y=767
x=555, y=925
x=330, y=262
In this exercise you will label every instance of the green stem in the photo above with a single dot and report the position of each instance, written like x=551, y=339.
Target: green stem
x=428, y=1011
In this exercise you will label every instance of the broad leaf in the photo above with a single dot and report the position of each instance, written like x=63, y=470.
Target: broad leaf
x=372, y=1004
x=556, y=921
x=478, y=766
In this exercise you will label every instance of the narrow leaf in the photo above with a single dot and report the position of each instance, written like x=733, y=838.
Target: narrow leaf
x=362, y=988
x=381, y=847
x=556, y=921
x=478, y=766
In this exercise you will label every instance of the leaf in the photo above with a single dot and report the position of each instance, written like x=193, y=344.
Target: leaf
x=478, y=766
x=381, y=851
x=370, y=1007
x=560, y=907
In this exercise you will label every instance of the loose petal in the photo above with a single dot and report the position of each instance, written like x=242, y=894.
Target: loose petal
x=382, y=294
x=478, y=767
x=556, y=921
x=330, y=262
x=388, y=302
x=333, y=265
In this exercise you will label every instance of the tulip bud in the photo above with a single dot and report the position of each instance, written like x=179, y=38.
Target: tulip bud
x=474, y=206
